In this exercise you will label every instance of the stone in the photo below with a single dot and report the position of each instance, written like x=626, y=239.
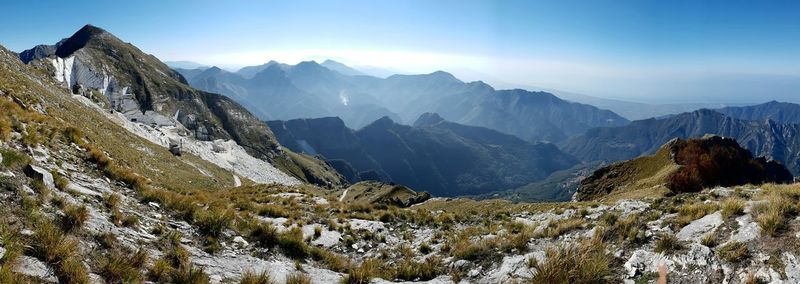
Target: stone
x=461, y=263
x=512, y=267
x=627, y=207
x=644, y=261
x=748, y=230
x=791, y=267
x=371, y=226
x=33, y=267
x=698, y=228
x=82, y=190
x=39, y=173
x=327, y=239
x=240, y=240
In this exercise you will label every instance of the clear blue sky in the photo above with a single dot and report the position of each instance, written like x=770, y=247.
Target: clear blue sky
x=639, y=50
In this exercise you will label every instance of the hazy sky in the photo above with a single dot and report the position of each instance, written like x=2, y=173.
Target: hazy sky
x=652, y=51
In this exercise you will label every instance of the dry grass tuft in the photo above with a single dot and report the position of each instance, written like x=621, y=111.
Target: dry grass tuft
x=74, y=217
x=249, y=277
x=586, y=262
x=667, y=244
x=732, y=207
x=734, y=252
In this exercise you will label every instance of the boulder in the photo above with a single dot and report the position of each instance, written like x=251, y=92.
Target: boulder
x=38, y=173
x=696, y=229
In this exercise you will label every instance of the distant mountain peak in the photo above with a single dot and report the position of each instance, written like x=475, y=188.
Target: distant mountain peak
x=341, y=68
x=383, y=122
x=428, y=119
x=443, y=74
x=80, y=39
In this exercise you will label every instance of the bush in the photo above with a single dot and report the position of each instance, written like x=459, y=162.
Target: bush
x=331, y=260
x=298, y=278
x=265, y=235
x=720, y=162
x=473, y=251
x=556, y=229
x=189, y=275
x=50, y=245
x=667, y=244
x=693, y=211
x=709, y=240
x=160, y=271
x=111, y=201
x=74, y=217
x=60, y=181
x=14, y=159
x=119, y=267
x=251, y=278
x=771, y=221
x=273, y=211
x=734, y=252
x=733, y=206
x=213, y=222
x=586, y=262
x=410, y=270
x=363, y=273
x=772, y=216
x=292, y=244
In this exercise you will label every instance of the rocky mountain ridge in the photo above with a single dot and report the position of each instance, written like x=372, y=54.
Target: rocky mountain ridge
x=767, y=138
x=96, y=64
x=435, y=155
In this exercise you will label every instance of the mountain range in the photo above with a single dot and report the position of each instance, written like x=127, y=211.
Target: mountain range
x=435, y=155
x=764, y=136
x=308, y=90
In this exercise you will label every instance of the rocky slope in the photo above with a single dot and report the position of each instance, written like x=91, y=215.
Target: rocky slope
x=682, y=166
x=441, y=157
x=765, y=138
x=121, y=78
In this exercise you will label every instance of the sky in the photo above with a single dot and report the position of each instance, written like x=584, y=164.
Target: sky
x=648, y=51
